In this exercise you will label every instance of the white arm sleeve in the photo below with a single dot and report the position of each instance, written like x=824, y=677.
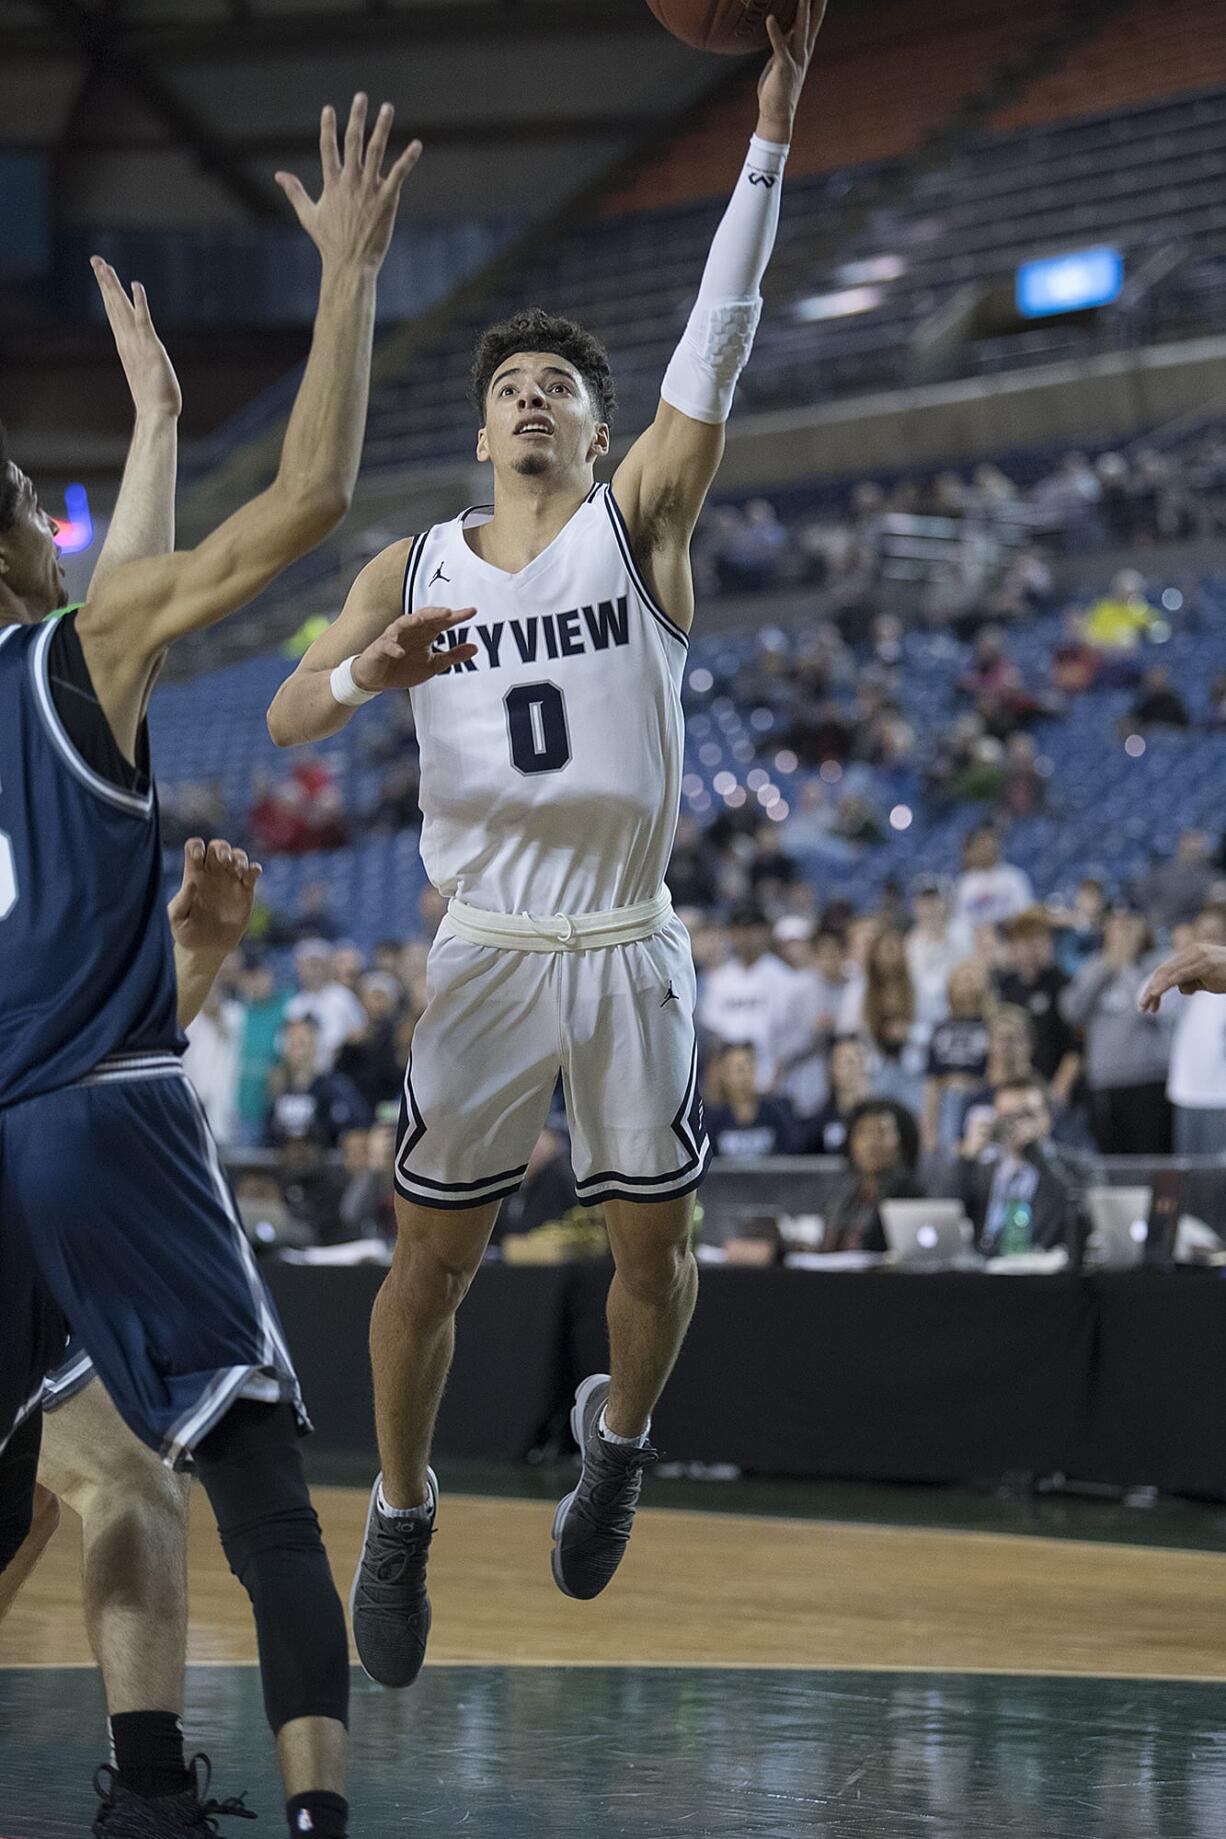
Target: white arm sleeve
x=702, y=375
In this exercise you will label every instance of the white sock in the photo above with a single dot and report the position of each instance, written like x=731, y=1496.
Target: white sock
x=611, y=1436
x=402, y=1513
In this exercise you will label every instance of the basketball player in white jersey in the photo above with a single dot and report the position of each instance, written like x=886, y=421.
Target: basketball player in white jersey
x=546, y=692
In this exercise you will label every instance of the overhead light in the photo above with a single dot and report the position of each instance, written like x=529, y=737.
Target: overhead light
x=841, y=305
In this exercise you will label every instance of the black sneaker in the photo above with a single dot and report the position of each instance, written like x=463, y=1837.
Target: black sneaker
x=591, y=1528
x=124, y=1815
x=388, y=1604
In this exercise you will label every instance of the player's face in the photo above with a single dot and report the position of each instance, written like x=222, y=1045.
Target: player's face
x=539, y=419
x=29, y=560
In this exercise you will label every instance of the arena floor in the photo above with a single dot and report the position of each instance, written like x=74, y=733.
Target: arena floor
x=908, y=1663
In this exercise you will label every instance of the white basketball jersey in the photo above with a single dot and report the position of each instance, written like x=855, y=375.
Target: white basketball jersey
x=551, y=763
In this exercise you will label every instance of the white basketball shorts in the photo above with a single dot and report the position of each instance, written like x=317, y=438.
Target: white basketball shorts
x=498, y=1028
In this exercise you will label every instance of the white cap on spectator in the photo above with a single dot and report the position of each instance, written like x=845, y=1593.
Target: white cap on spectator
x=313, y=948
x=793, y=927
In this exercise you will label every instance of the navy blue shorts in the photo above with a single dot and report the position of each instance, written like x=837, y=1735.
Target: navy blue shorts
x=71, y=1374
x=113, y=1188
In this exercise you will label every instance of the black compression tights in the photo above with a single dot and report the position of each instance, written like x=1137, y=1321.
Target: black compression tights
x=251, y=1469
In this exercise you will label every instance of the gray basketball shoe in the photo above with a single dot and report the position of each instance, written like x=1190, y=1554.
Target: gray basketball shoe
x=388, y=1604
x=591, y=1528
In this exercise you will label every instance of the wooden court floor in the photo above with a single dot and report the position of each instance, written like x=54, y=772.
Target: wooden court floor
x=744, y=1675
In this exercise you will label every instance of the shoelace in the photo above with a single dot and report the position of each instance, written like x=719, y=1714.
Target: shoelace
x=235, y=1808
x=106, y=1781
x=389, y=1569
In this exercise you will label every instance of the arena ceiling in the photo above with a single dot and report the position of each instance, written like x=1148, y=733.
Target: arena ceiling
x=160, y=113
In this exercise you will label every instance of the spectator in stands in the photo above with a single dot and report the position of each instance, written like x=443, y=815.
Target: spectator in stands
x=366, y=1207
x=753, y=549
x=1127, y=1052
x=750, y=996
x=1178, y=889
x=812, y=828
x=882, y=1151
x=691, y=873
x=213, y=1059
x=396, y=805
x=308, y=1104
x=989, y=892
x=1196, y=1085
x=547, y=1191
x=263, y=1005
x=1023, y=788
x=936, y=944
x=1034, y=983
x=1123, y=617
x=336, y=1011
x=1159, y=704
x=772, y=872
x=312, y=918
x=824, y=997
x=348, y=965
x=1081, y=925
x=311, y=1191
x=369, y=1057
x=889, y=1021
x=849, y=1086
x=957, y=1056
x=1021, y=1191
x=744, y=1122
x=1067, y=503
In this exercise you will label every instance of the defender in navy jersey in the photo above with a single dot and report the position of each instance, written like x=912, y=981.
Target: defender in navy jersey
x=551, y=751
x=114, y=1213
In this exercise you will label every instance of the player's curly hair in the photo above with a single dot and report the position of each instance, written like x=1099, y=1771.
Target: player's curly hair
x=9, y=492
x=536, y=330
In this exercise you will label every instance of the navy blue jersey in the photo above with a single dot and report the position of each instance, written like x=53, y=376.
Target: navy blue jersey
x=86, y=961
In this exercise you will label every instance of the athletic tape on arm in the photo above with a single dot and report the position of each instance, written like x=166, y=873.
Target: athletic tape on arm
x=702, y=375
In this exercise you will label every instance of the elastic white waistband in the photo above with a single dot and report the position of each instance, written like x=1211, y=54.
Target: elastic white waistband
x=560, y=931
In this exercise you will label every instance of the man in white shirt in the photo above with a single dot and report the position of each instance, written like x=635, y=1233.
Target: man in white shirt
x=936, y=945
x=335, y=1010
x=1196, y=1085
x=751, y=997
x=989, y=891
x=823, y=1006
x=212, y=1060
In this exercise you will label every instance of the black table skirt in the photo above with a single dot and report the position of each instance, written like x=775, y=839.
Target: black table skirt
x=947, y=1377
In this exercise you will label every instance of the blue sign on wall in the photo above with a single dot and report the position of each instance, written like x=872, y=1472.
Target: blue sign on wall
x=1069, y=283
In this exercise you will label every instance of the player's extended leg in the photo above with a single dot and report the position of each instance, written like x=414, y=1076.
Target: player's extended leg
x=651, y=1301
x=133, y=1513
x=412, y=1340
x=28, y=1514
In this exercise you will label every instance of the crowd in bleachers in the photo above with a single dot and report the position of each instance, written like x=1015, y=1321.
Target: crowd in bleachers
x=922, y=1037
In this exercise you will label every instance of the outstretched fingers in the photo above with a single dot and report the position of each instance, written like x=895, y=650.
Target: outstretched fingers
x=329, y=151
x=404, y=165
x=355, y=134
x=379, y=136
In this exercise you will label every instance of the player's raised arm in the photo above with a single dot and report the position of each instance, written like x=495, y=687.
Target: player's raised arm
x=140, y=610
x=143, y=522
x=663, y=481
x=208, y=917
x=372, y=647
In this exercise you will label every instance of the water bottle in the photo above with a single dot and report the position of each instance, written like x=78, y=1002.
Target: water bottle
x=1015, y=1233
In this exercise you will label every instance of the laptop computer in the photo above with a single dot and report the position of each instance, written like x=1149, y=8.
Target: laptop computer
x=1119, y=1218
x=927, y=1232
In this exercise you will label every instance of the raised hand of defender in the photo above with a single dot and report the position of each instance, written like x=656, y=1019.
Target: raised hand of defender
x=403, y=656
x=353, y=217
x=212, y=909
x=784, y=77
x=146, y=365
x=1197, y=967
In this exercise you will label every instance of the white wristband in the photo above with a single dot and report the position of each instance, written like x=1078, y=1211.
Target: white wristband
x=345, y=690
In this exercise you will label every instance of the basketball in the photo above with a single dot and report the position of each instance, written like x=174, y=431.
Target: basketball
x=731, y=27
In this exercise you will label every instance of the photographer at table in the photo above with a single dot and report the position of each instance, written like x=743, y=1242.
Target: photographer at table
x=1021, y=1190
